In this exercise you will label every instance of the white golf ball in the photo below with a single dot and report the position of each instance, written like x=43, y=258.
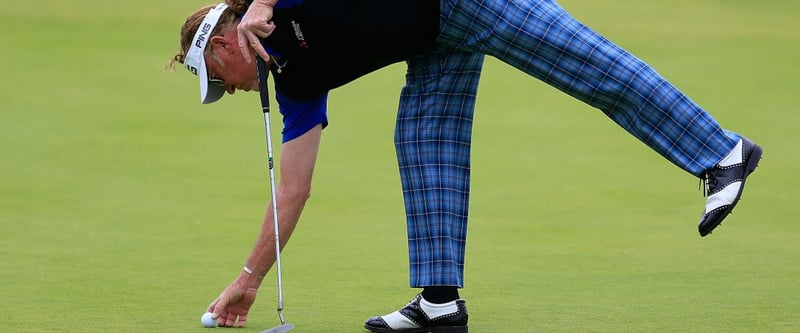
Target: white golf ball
x=207, y=321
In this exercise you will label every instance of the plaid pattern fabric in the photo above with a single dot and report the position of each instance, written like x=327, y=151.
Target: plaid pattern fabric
x=432, y=140
x=541, y=39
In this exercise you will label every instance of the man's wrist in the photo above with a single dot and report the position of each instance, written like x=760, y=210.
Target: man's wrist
x=250, y=279
x=251, y=273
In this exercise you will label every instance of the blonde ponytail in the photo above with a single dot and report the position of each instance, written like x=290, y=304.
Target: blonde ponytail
x=238, y=6
x=229, y=18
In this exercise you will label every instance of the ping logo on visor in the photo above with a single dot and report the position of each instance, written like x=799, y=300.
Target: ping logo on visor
x=195, y=61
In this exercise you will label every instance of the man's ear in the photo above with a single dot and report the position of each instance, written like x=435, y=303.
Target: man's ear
x=221, y=45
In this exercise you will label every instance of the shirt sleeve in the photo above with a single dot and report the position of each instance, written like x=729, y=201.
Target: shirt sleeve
x=300, y=116
x=281, y=4
x=288, y=3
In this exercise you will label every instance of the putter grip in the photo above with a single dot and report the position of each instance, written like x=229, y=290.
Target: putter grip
x=263, y=91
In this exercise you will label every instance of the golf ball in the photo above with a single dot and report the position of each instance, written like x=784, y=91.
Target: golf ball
x=207, y=321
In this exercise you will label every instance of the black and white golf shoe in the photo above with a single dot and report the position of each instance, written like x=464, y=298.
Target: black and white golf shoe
x=725, y=183
x=421, y=316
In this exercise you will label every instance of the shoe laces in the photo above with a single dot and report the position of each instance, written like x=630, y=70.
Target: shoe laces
x=707, y=183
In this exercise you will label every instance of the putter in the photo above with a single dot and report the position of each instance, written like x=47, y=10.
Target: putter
x=262, y=90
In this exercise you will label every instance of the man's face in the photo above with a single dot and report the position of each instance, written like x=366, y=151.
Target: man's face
x=229, y=65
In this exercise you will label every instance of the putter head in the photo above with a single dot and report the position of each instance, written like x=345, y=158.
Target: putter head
x=280, y=329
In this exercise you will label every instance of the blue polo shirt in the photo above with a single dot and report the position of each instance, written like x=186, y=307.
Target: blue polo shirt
x=324, y=44
x=300, y=116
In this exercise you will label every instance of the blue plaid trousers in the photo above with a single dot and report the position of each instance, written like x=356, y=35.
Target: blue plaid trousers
x=434, y=124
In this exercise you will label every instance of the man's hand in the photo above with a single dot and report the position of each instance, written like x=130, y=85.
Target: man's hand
x=231, y=307
x=255, y=25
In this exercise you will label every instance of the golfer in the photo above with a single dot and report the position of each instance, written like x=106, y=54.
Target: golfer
x=314, y=46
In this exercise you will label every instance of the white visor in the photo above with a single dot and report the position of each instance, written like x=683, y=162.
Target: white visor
x=195, y=60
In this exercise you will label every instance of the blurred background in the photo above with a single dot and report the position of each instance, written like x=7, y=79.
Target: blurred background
x=126, y=206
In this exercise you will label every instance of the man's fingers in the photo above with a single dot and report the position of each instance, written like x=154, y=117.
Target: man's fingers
x=261, y=52
x=269, y=26
x=248, y=46
x=244, y=47
x=230, y=320
x=250, y=35
x=242, y=321
x=212, y=306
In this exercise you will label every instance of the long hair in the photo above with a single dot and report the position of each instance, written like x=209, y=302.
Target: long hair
x=229, y=18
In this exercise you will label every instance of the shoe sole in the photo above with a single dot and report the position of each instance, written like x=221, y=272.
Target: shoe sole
x=440, y=329
x=752, y=163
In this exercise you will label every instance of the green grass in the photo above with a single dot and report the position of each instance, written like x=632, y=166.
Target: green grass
x=127, y=207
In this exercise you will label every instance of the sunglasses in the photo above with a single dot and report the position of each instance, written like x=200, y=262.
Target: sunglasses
x=216, y=82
